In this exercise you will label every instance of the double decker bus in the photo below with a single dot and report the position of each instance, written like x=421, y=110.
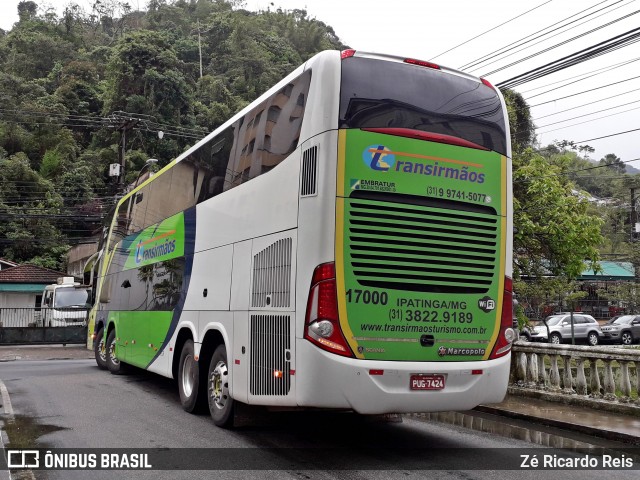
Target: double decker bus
x=343, y=242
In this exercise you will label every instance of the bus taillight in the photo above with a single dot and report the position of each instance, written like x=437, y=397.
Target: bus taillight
x=487, y=83
x=421, y=63
x=347, y=53
x=506, y=336
x=322, y=323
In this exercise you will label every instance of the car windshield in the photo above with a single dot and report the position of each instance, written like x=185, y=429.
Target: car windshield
x=554, y=320
x=71, y=297
x=624, y=319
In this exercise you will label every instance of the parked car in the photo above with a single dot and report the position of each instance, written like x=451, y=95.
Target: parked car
x=625, y=330
x=585, y=327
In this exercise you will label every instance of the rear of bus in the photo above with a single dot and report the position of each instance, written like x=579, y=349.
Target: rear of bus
x=415, y=312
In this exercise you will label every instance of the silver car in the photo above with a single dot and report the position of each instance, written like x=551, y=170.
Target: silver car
x=624, y=329
x=585, y=327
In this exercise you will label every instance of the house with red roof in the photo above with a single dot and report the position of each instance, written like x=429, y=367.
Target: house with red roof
x=21, y=286
x=4, y=264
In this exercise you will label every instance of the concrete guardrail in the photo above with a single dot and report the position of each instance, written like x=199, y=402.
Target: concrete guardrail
x=603, y=377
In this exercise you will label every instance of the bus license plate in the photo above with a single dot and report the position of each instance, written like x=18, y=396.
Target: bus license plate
x=427, y=382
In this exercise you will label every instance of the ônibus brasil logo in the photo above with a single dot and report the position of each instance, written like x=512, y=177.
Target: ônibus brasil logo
x=378, y=157
x=155, y=247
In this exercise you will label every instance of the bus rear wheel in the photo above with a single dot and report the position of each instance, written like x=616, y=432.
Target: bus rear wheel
x=221, y=404
x=189, y=379
x=100, y=350
x=114, y=365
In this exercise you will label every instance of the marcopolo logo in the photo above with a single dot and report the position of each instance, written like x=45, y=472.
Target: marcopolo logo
x=445, y=351
x=378, y=157
x=155, y=247
x=486, y=304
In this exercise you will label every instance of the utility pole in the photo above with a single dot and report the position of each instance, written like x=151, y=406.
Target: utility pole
x=199, y=47
x=633, y=218
x=124, y=126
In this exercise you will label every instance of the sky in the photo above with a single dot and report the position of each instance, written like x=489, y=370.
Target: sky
x=457, y=33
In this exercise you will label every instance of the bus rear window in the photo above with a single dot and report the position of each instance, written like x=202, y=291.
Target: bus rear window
x=384, y=94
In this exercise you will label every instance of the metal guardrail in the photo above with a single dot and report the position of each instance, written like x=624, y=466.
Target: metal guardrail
x=11, y=317
x=19, y=326
x=611, y=374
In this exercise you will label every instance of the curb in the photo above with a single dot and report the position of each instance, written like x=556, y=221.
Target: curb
x=585, y=429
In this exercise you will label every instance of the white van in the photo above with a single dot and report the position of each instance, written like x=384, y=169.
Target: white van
x=65, y=303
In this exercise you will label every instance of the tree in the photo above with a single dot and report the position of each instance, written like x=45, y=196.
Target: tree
x=555, y=232
x=28, y=206
x=520, y=121
x=613, y=163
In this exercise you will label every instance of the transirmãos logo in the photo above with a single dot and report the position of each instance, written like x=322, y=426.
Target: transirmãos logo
x=383, y=159
x=155, y=247
x=378, y=157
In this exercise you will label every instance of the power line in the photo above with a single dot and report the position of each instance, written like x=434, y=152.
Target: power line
x=609, y=45
x=588, y=121
x=595, y=167
x=506, y=47
x=590, y=113
x=608, y=136
x=584, y=91
x=588, y=104
x=548, y=38
x=491, y=29
x=586, y=76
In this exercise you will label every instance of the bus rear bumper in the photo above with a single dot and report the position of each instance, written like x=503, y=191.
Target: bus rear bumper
x=325, y=380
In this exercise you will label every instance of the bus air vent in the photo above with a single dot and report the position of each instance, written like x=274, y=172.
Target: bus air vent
x=271, y=285
x=422, y=248
x=270, y=355
x=309, y=181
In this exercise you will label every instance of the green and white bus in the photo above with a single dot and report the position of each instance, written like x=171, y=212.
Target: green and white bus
x=343, y=242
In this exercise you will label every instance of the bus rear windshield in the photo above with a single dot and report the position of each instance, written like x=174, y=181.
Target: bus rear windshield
x=384, y=94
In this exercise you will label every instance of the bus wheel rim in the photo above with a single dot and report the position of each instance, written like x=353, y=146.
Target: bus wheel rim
x=219, y=385
x=188, y=375
x=112, y=353
x=102, y=351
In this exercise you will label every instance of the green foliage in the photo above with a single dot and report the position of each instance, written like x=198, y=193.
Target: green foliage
x=555, y=232
x=520, y=122
x=24, y=196
x=51, y=165
x=613, y=163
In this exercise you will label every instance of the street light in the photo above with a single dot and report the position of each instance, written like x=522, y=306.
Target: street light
x=147, y=165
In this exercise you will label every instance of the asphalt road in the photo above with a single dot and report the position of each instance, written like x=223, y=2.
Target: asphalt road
x=72, y=404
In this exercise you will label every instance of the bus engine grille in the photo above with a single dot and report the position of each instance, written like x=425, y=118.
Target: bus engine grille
x=270, y=355
x=432, y=247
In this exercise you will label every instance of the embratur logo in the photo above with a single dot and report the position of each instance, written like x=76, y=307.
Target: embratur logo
x=355, y=184
x=378, y=157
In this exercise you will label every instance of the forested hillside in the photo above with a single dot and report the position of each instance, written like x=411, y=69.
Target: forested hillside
x=70, y=85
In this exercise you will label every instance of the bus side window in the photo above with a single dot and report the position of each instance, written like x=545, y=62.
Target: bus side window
x=105, y=291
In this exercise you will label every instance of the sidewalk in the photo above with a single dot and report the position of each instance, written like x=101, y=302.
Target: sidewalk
x=9, y=353
x=589, y=421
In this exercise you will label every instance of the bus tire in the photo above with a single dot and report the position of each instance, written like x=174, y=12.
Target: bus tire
x=100, y=350
x=114, y=365
x=221, y=404
x=189, y=378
